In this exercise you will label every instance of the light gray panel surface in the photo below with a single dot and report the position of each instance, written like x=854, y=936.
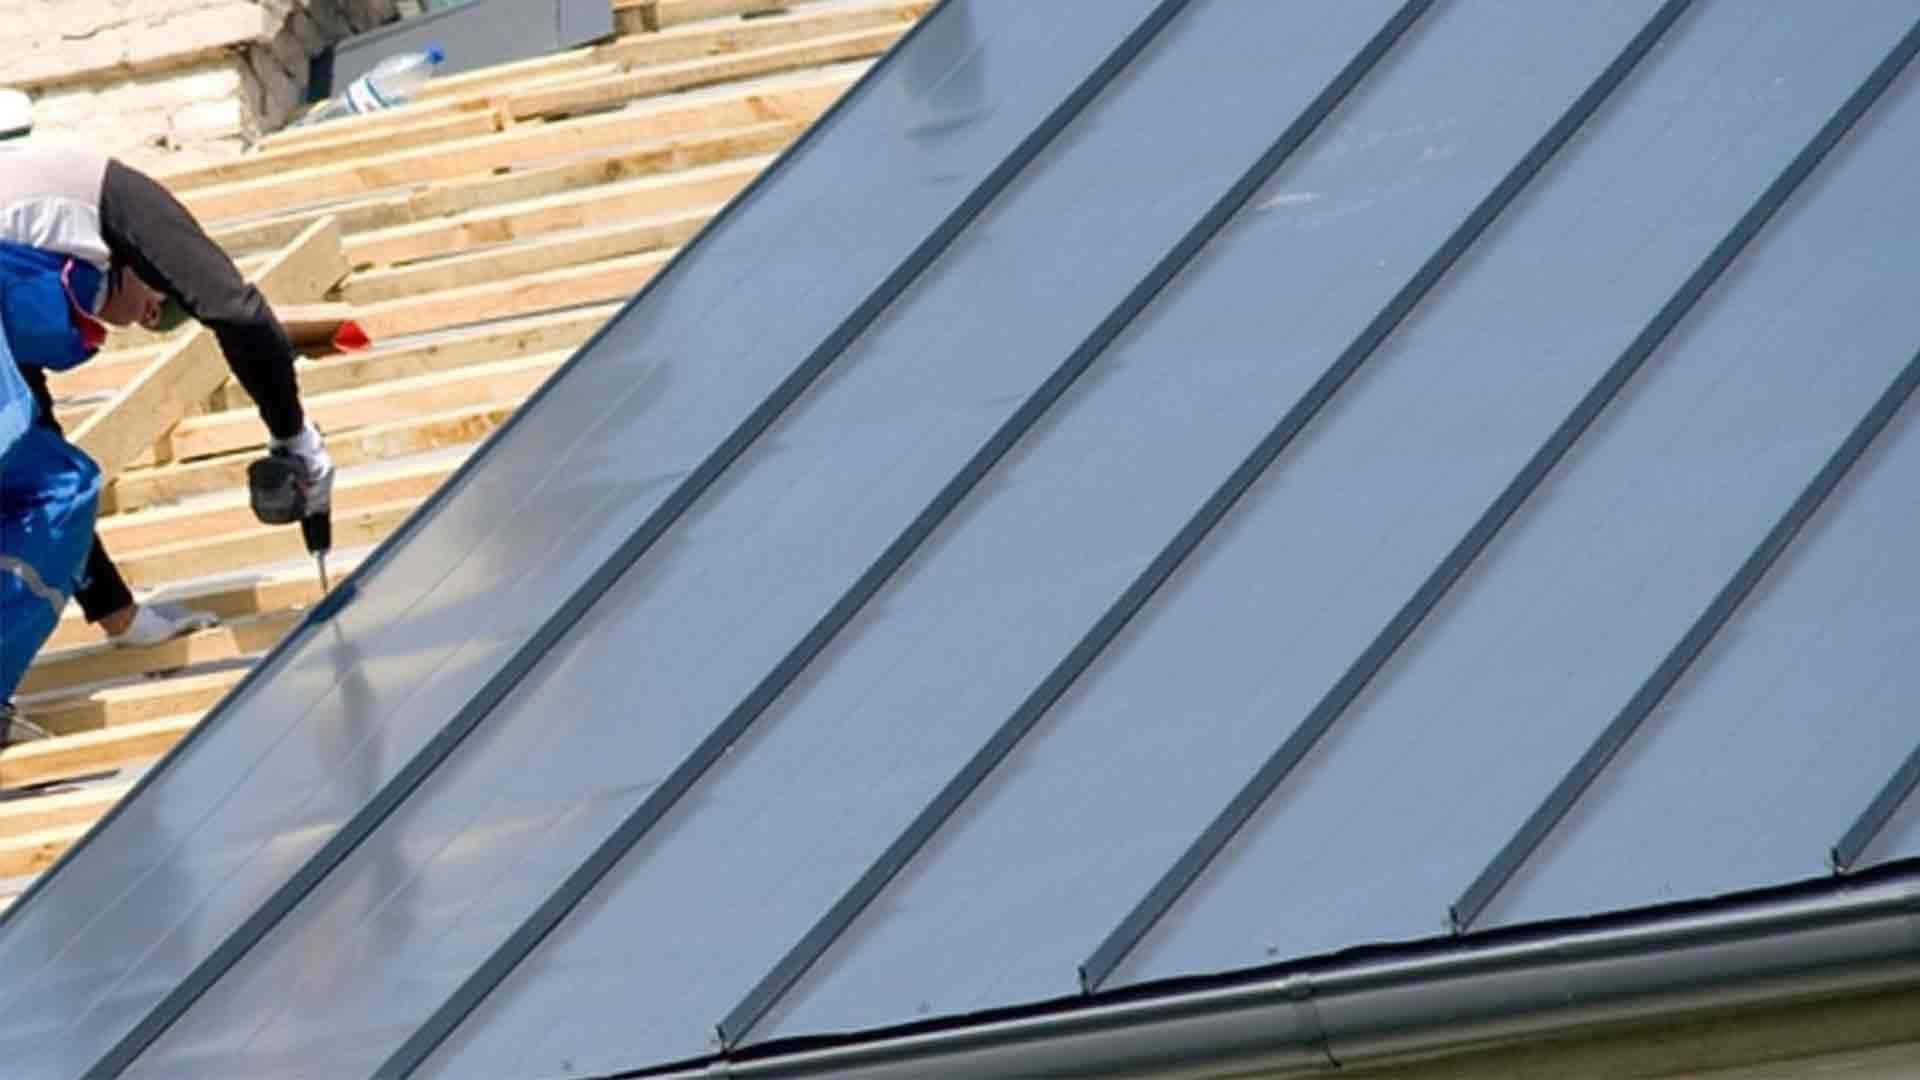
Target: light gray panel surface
x=1008, y=900
x=1789, y=724
x=1780, y=735
x=952, y=360
x=285, y=763
x=1377, y=830
x=738, y=582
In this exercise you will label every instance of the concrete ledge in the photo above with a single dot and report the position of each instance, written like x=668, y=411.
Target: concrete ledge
x=88, y=41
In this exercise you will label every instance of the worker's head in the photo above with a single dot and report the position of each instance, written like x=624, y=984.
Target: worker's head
x=130, y=300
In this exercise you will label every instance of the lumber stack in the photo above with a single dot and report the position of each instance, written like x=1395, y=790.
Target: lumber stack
x=479, y=235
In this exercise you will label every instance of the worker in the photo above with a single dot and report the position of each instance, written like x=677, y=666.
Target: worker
x=87, y=241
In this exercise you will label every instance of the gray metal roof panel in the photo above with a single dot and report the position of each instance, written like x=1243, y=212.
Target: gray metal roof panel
x=1206, y=371
x=230, y=819
x=824, y=779
x=994, y=608
x=1465, y=728
x=1786, y=725
x=747, y=570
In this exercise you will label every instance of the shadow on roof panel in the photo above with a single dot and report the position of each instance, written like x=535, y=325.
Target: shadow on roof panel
x=240, y=809
x=1373, y=835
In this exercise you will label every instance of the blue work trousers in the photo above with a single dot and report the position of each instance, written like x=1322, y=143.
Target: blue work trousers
x=49, y=491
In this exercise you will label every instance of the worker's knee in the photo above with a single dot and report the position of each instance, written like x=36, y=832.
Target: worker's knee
x=49, y=492
x=47, y=478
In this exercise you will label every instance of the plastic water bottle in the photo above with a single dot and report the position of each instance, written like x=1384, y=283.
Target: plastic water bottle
x=392, y=82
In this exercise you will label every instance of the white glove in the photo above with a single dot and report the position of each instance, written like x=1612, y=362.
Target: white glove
x=155, y=623
x=316, y=468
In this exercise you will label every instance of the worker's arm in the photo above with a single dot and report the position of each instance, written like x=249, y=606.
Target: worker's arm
x=148, y=228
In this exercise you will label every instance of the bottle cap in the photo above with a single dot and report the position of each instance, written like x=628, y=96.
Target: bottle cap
x=435, y=54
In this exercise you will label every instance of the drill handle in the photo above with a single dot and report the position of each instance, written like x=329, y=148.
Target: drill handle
x=317, y=531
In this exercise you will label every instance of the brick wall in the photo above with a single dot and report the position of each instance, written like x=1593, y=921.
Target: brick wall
x=162, y=82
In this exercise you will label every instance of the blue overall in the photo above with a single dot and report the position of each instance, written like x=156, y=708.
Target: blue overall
x=48, y=489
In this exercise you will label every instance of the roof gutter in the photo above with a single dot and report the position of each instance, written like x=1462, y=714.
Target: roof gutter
x=1854, y=939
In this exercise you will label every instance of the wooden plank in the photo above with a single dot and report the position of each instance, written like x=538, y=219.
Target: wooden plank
x=661, y=14
x=105, y=373
x=646, y=197
x=314, y=326
x=495, y=341
x=34, y=852
x=492, y=86
x=149, y=567
x=490, y=82
x=614, y=90
x=230, y=511
x=478, y=96
x=379, y=442
x=551, y=252
x=57, y=808
x=269, y=593
x=124, y=428
x=137, y=702
x=434, y=129
x=594, y=282
x=69, y=668
x=397, y=400
x=795, y=97
x=465, y=157
x=683, y=42
x=92, y=751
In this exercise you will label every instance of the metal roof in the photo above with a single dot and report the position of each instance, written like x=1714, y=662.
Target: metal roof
x=1143, y=490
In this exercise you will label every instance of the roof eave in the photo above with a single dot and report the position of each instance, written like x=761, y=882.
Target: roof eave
x=1849, y=938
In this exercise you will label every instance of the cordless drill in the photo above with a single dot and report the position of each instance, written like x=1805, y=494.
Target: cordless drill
x=273, y=484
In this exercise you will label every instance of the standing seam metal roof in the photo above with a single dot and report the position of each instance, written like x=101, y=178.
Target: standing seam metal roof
x=1143, y=490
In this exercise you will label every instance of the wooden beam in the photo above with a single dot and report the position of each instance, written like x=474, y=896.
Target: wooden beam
x=661, y=14
x=678, y=43
x=553, y=332
x=314, y=326
x=230, y=512
x=400, y=399
x=434, y=129
x=238, y=550
x=92, y=751
x=798, y=98
x=105, y=373
x=497, y=86
x=613, y=90
x=148, y=406
x=465, y=157
x=552, y=252
x=32, y=853
x=82, y=806
x=68, y=668
x=138, y=702
x=263, y=595
x=594, y=282
x=416, y=434
x=668, y=194
x=435, y=103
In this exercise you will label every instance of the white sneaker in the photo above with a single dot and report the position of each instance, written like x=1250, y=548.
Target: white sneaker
x=155, y=623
